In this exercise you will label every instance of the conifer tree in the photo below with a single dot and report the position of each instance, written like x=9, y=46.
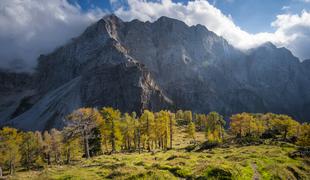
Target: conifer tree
x=171, y=127
x=191, y=131
x=215, y=126
x=304, y=135
x=56, y=144
x=111, y=118
x=71, y=147
x=147, y=124
x=81, y=124
x=29, y=149
x=188, y=117
x=10, y=141
x=47, y=146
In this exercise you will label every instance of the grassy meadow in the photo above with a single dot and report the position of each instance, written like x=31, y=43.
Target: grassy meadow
x=266, y=161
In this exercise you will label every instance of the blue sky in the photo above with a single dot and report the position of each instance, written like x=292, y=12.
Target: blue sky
x=256, y=15
x=253, y=16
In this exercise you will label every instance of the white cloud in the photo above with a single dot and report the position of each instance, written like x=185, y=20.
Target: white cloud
x=297, y=30
x=292, y=31
x=31, y=27
x=284, y=8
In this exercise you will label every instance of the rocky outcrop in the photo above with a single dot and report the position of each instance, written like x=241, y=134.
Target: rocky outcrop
x=127, y=86
x=16, y=90
x=163, y=65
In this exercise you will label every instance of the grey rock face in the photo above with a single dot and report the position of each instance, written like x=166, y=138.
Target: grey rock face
x=126, y=86
x=16, y=90
x=164, y=65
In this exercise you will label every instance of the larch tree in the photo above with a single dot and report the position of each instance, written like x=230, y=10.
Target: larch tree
x=285, y=125
x=71, y=146
x=188, y=117
x=241, y=124
x=179, y=115
x=10, y=141
x=47, y=146
x=147, y=121
x=304, y=135
x=40, y=144
x=215, y=126
x=171, y=127
x=56, y=144
x=191, y=130
x=112, y=118
x=128, y=129
x=81, y=124
x=29, y=149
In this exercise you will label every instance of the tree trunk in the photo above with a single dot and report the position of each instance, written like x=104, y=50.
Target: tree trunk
x=27, y=156
x=285, y=134
x=86, y=145
x=148, y=134
x=139, y=141
x=11, y=168
x=113, y=138
x=68, y=156
x=171, y=132
x=221, y=132
x=135, y=140
x=0, y=171
x=49, y=159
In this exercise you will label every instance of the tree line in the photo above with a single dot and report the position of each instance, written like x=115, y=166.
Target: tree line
x=91, y=132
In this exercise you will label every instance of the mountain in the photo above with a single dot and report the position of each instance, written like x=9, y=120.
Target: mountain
x=161, y=65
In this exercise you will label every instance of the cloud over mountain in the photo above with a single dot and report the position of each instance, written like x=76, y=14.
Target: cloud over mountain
x=292, y=30
x=31, y=27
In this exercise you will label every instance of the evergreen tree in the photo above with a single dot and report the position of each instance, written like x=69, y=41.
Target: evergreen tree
x=95, y=142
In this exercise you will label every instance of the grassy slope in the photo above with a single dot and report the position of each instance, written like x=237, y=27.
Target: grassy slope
x=263, y=161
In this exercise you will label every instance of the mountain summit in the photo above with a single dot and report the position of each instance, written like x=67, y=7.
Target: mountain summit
x=138, y=65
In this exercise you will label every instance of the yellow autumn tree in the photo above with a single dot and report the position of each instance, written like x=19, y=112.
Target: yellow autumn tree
x=10, y=141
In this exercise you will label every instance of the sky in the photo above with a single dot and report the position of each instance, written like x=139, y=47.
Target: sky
x=29, y=28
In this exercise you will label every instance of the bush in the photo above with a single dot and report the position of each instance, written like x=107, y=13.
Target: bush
x=249, y=140
x=190, y=148
x=208, y=145
x=217, y=173
x=184, y=173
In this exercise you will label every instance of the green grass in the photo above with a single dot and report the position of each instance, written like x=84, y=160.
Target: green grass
x=270, y=162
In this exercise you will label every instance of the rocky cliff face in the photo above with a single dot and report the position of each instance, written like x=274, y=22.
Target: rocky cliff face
x=15, y=92
x=166, y=64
